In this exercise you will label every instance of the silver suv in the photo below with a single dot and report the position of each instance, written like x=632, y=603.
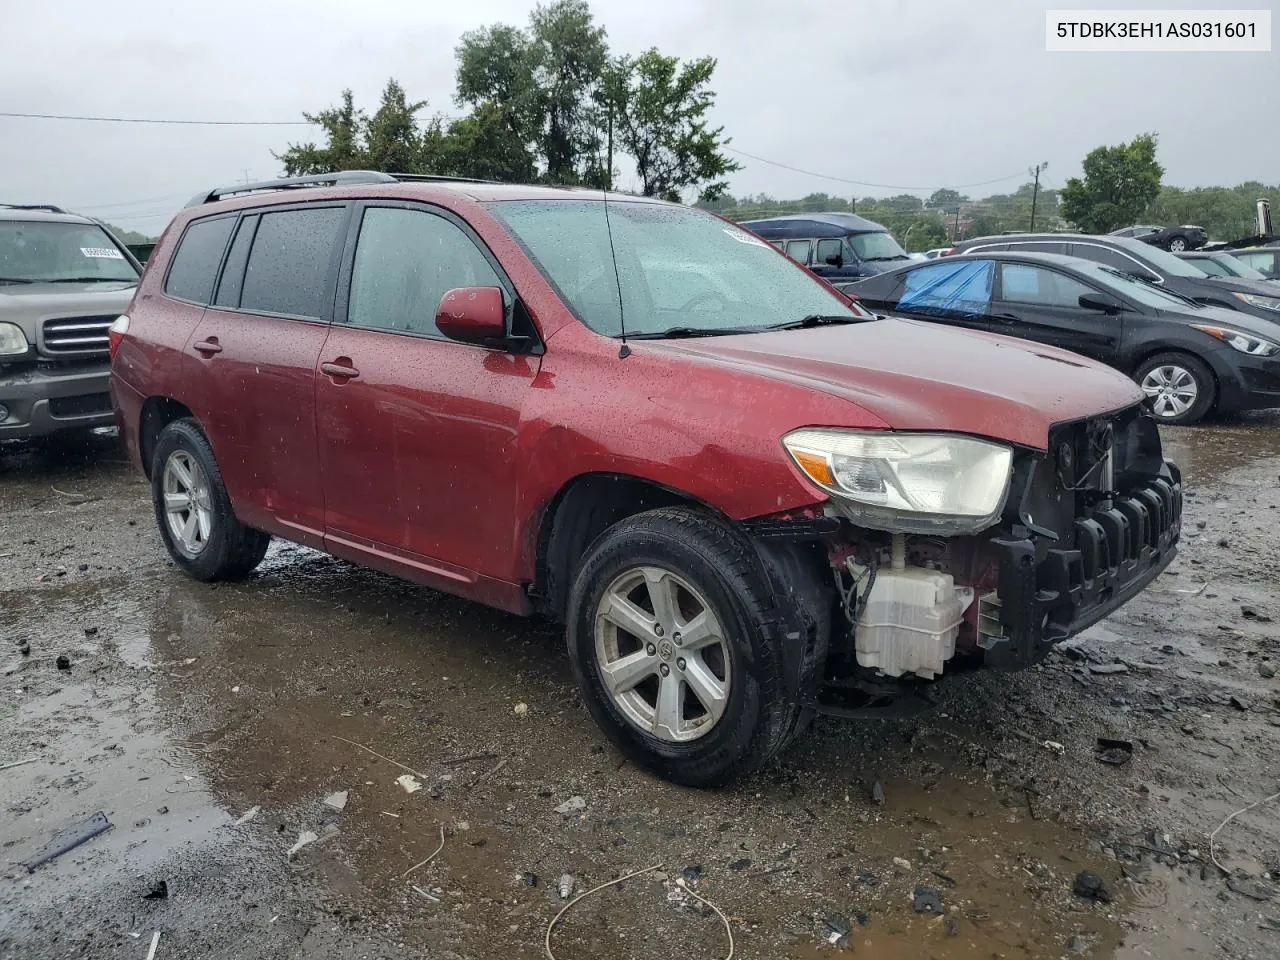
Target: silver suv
x=63, y=280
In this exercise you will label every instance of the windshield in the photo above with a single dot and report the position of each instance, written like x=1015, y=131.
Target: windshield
x=1235, y=267
x=45, y=251
x=677, y=268
x=1130, y=286
x=1163, y=261
x=876, y=246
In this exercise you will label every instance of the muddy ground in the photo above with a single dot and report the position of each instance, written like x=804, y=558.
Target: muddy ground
x=185, y=706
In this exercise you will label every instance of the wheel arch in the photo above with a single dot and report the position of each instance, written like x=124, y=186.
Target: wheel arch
x=1175, y=350
x=157, y=413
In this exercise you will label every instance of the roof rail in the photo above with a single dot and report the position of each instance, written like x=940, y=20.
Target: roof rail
x=33, y=206
x=292, y=183
x=436, y=178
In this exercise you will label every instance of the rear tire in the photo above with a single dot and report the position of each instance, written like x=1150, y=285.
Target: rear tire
x=709, y=574
x=1178, y=244
x=193, y=511
x=1180, y=387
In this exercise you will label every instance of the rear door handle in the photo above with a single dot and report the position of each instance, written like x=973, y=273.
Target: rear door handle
x=208, y=347
x=340, y=370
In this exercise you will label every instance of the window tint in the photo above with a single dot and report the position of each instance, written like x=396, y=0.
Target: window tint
x=1039, y=246
x=1021, y=283
x=288, y=268
x=1111, y=258
x=798, y=250
x=196, y=262
x=233, y=273
x=406, y=260
x=949, y=289
x=828, y=248
x=1210, y=266
x=1263, y=262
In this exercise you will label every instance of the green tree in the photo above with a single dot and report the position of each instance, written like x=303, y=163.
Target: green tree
x=924, y=232
x=659, y=111
x=344, y=128
x=945, y=199
x=481, y=145
x=391, y=138
x=1119, y=183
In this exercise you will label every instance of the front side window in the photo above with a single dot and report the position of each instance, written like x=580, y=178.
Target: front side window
x=1127, y=285
x=676, y=267
x=52, y=251
x=953, y=289
x=1023, y=283
x=798, y=250
x=830, y=252
x=195, y=264
x=406, y=260
x=1210, y=266
x=1161, y=261
x=288, y=268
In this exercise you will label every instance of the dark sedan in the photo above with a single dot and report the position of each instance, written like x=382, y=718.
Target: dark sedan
x=1188, y=358
x=1174, y=239
x=1219, y=263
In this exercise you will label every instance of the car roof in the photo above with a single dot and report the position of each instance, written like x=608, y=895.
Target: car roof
x=818, y=224
x=13, y=212
x=1053, y=259
x=1124, y=243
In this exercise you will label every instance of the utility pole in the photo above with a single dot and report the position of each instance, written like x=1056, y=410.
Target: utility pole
x=609, y=151
x=956, y=230
x=1035, y=191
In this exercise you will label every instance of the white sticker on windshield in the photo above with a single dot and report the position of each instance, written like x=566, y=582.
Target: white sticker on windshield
x=746, y=238
x=102, y=253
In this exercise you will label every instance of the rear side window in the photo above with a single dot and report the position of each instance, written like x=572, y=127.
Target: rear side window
x=288, y=268
x=949, y=289
x=195, y=264
x=798, y=250
x=1262, y=261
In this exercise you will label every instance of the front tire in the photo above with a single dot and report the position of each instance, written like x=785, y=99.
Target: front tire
x=677, y=649
x=1180, y=387
x=193, y=511
x=1177, y=244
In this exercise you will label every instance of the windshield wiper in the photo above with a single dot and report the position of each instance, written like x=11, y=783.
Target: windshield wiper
x=817, y=320
x=15, y=280
x=896, y=256
x=92, y=280
x=677, y=333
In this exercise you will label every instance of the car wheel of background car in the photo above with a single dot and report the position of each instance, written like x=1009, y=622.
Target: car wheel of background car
x=1180, y=387
x=1177, y=244
x=675, y=645
x=193, y=511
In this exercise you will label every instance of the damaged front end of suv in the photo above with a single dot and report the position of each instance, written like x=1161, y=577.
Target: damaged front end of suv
x=947, y=550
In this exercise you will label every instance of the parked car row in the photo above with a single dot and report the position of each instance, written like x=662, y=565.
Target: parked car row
x=748, y=499
x=1173, y=239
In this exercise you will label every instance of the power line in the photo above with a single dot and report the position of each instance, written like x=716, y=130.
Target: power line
x=863, y=183
x=185, y=123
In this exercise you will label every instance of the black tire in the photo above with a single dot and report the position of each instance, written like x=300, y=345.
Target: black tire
x=1178, y=244
x=231, y=551
x=710, y=555
x=1206, y=387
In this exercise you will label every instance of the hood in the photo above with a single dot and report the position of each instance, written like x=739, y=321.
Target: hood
x=870, y=268
x=1222, y=316
x=1263, y=288
x=921, y=376
x=35, y=301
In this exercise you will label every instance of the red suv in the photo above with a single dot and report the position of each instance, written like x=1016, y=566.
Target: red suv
x=748, y=500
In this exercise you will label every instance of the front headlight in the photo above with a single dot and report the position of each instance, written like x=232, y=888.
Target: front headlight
x=1244, y=342
x=12, y=340
x=907, y=482
x=1255, y=300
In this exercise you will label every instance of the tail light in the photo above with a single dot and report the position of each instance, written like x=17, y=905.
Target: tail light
x=115, y=334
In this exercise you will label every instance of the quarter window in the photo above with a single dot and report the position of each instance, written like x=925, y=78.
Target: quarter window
x=798, y=250
x=406, y=261
x=288, y=268
x=1021, y=283
x=195, y=264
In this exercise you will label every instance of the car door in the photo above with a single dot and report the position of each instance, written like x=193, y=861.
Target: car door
x=255, y=351
x=1042, y=304
x=416, y=431
x=957, y=292
x=833, y=248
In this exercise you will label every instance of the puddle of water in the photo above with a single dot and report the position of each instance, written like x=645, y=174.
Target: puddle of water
x=1207, y=452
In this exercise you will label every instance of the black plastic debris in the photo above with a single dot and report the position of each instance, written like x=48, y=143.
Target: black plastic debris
x=838, y=929
x=877, y=793
x=529, y=879
x=63, y=662
x=927, y=900
x=90, y=631
x=692, y=874
x=159, y=891
x=1253, y=613
x=740, y=864
x=1090, y=886
x=1251, y=888
x=1115, y=752
x=868, y=879
x=69, y=839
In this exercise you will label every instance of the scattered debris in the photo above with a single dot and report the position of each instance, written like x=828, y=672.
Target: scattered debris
x=1054, y=746
x=572, y=805
x=155, y=942
x=839, y=927
x=927, y=900
x=529, y=878
x=877, y=793
x=740, y=864
x=18, y=763
x=409, y=782
x=304, y=838
x=394, y=763
x=1251, y=888
x=63, y=662
x=423, y=863
x=692, y=874
x=89, y=631
x=158, y=891
x=1213, y=837
x=521, y=709
x=70, y=839
x=565, y=886
x=245, y=818
x=422, y=893
x=1270, y=923
x=336, y=801
x=24, y=648
x=388, y=813
x=1081, y=944
x=947, y=879
x=1108, y=668
x=1252, y=613
x=1239, y=704
x=1090, y=886
x=1224, y=543
x=903, y=866
x=1266, y=669
x=1115, y=752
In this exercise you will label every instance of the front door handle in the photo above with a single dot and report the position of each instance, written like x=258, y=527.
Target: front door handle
x=340, y=370
x=208, y=347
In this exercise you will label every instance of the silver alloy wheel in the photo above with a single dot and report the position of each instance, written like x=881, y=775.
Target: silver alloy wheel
x=1173, y=390
x=662, y=655
x=1177, y=245
x=188, y=506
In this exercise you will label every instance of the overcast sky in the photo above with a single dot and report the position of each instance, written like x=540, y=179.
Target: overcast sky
x=916, y=93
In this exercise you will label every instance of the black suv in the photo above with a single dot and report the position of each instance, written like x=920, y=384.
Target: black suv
x=1256, y=297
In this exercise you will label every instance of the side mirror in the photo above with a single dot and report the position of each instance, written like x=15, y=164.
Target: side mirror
x=833, y=260
x=1100, y=301
x=472, y=314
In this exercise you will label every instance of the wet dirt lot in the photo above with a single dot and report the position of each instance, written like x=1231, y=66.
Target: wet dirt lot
x=185, y=706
